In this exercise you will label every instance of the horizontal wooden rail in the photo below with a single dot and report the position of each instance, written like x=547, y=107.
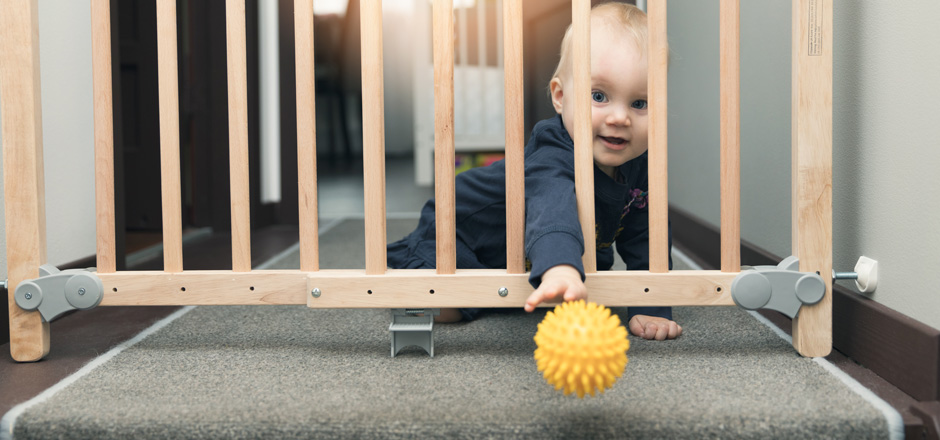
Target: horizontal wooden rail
x=403, y=288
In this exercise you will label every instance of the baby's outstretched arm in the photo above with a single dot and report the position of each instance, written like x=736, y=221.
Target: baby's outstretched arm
x=559, y=282
x=654, y=327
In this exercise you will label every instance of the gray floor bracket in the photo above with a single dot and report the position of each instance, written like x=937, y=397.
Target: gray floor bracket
x=413, y=327
x=782, y=288
x=56, y=292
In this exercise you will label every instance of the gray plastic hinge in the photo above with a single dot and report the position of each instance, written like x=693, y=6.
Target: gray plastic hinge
x=56, y=292
x=782, y=288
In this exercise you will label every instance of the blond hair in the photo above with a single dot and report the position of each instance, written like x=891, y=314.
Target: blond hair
x=627, y=17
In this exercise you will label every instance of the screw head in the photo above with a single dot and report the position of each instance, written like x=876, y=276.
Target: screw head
x=315, y=292
x=28, y=295
x=81, y=290
x=503, y=291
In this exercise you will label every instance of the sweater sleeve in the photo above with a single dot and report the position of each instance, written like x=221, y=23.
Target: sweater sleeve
x=553, y=234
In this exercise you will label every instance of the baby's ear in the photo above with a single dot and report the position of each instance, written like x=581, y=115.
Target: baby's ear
x=557, y=94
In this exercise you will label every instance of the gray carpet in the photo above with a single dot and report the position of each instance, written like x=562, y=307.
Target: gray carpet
x=290, y=372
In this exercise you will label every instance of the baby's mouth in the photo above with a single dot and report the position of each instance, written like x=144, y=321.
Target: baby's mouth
x=614, y=140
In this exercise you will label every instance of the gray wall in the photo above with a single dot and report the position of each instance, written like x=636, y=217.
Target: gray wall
x=886, y=148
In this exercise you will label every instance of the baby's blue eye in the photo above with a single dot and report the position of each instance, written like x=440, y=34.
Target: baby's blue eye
x=598, y=96
x=640, y=104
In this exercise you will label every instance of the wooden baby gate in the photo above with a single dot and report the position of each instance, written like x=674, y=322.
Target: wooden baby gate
x=375, y=286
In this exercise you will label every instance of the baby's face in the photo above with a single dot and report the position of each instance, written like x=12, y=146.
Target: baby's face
x=619, y=114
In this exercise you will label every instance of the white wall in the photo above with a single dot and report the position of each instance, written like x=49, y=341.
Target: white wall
x=886, y=102
x=68, y=137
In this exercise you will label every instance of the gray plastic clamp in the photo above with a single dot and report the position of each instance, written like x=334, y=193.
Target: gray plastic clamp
x=56, y=292
x=782, y=288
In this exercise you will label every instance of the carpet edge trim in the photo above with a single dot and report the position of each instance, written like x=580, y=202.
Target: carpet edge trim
x=8, y=422
x=892, y=417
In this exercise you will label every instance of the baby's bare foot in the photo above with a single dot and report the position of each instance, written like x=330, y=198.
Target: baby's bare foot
x=654, y=327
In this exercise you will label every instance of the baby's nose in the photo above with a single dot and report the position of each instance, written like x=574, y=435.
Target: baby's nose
x=618, y=116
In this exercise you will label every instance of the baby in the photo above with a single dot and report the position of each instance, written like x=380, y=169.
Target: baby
x=553, y=238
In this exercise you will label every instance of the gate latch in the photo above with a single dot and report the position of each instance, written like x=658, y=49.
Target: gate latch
x=782, y=288
x=58, y=291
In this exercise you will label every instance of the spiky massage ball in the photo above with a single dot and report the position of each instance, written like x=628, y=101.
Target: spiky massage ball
x=582, y=348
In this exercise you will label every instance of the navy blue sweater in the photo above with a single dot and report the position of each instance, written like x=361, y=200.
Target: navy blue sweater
x=553, y=233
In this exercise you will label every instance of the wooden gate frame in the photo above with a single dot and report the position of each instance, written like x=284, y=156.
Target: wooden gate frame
x=375, y=286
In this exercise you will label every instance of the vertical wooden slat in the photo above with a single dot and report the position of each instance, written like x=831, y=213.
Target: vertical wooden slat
x=445, y=211
x=238, y=133
x=24, y=203
x=515, y=136
x=373, y=136
x=730, y=85
x=169, y=136
x=306, y=135
x=583, y=152
x=812, y=165
x=104, y=135
x=658, y=169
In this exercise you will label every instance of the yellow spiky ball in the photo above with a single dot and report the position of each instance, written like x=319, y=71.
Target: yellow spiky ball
x=582, y=348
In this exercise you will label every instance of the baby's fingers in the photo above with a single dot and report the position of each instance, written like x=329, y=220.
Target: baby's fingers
x=545, y=292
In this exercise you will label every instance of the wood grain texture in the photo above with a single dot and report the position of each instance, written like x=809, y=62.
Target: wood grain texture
x=812, y=165
x=168, y=84
x=658, y=142
x=306, y=135
x=403, y=288
x=444, y=205
x=238, y=134
x=373, y=136
x=424, y=288
x=583, y=132
x=198, y=287
x=515, y=135
x=730, y=133
x=104, y=135
x=24, y=192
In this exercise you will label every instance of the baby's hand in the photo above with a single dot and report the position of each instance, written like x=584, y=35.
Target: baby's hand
x=562, y=281
x=654, y=327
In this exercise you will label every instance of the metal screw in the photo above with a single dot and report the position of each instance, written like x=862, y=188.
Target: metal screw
x=28, y=295
x=845, y=275
x=315, y=292
x=81, y=290
x=503, y=291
